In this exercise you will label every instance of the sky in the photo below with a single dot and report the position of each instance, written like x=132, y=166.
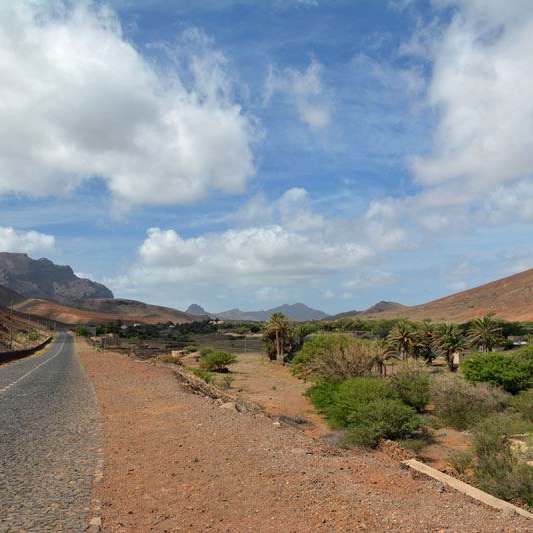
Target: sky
x=237, y=153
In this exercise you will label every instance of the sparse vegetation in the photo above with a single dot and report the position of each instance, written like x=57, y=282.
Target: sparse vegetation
x=461, y=461
x=202, y=374
x=461, y=404
x=498, y=469
x=225, y=382
x=216, y=361
x=412, y=385
x=523, y=404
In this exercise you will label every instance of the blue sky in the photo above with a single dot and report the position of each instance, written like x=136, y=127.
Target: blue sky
x=246, y=154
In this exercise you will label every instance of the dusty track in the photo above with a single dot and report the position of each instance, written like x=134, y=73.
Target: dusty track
x=178, y=462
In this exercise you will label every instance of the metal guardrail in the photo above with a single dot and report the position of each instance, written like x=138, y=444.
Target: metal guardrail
x=12, y=355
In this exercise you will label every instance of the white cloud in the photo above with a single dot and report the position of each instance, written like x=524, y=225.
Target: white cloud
x=370, y=279
x=306, y=92
x=247, y=256
x=480, y=87
x=77, y=100
x=295, y=211
x=29, y=242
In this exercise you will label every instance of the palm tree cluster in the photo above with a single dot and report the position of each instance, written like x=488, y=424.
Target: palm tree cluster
x=423, y=340
x=427, y=341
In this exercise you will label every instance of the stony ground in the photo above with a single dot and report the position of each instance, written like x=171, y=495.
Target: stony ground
x=48, y=442
x=179, y=462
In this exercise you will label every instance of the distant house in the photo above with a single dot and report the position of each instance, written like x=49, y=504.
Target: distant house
x=518, y=340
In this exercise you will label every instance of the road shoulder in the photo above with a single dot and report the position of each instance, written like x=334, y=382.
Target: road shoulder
x=174, y=461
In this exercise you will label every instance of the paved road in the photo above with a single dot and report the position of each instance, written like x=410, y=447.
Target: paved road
x=48, y=441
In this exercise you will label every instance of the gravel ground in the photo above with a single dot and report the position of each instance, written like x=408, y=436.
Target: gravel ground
x=48, y=439
x=179, y=462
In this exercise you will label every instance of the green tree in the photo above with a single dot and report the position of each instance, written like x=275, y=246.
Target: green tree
x=423, y=344
x=383, y=353
x=277, y=332
x=484, y=333
x=403, y=338
x=447, y=341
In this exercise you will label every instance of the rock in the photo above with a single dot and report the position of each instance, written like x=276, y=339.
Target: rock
x=277, y=424
x=229, y=405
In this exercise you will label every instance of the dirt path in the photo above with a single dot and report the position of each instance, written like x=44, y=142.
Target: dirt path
x=178, y=462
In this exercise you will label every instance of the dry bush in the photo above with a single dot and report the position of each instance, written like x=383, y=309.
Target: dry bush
x=461, y=404
x=335, y=357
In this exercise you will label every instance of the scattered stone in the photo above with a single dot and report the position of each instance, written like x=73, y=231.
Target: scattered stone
x=228, y=405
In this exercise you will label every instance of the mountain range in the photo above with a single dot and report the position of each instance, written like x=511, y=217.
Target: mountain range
x=41, y=288
x=298, y=312
x=40, y=278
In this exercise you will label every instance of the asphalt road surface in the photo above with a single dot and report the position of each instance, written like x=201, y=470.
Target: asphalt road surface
x=49, y=436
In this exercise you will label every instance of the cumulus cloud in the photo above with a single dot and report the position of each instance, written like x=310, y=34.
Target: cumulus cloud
x=77, y=100
x=480, y=87
x=295, y=211
x=480, y=167
x=250, y=255
x=12, y=240
x=306, y=92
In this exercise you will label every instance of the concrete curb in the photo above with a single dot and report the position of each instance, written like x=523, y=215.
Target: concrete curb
x=464, y=488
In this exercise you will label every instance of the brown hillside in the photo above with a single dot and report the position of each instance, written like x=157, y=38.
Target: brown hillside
x=103, y=311
x=510, y=298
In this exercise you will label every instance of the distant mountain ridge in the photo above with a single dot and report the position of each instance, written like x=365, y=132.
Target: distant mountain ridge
x=196, y=310
x=510, y=298
x=41, y=278
x=298, y=312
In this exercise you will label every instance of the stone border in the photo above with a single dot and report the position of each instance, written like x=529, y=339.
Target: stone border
x=464, y=488
x=199, y=386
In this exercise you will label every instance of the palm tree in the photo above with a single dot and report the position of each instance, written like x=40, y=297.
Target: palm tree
x=448, y=341
x=423, y=343
x=277, y=330
x=383, y=352
x=403, y=338
x=484, y=333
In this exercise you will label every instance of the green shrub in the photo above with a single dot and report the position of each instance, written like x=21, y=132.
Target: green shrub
x=368, y=407
x=190, y=349
x=498, y=470
x=461, y=405
x=335, y=357
x=354, y=392
x=33, y=335
x=378, y=419
x=322, y=395
x=202, y=374
x=225, y=382
x=523, y=404
x=217, y=361
x=411, y=383
x=513, y=372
